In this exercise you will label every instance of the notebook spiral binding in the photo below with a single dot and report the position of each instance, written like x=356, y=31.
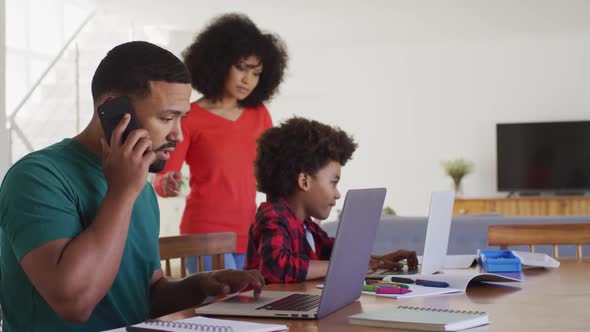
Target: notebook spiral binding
x=191, y=326
x=444, y=310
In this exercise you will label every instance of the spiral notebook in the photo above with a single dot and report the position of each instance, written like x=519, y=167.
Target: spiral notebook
x=422, y=319
x=200, y=323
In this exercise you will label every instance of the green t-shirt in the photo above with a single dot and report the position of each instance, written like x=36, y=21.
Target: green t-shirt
x=53, y=194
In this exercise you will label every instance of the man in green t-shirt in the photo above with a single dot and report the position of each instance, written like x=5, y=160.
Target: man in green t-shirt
x=80, y=224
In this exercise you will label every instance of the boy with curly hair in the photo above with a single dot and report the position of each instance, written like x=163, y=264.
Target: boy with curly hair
x=298, y=167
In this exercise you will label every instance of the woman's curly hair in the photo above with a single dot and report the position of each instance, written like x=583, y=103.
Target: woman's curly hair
x=226, y=40
x=297, y=145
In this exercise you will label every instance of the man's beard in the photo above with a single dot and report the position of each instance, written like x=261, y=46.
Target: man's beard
x=158, y=165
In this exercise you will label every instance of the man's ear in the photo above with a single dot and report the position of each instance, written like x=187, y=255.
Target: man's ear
x=303, y=181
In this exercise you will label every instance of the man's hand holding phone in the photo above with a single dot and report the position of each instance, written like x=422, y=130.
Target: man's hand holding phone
x=126, y=163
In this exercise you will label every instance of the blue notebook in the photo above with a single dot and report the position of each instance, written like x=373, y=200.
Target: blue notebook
x=422, y=319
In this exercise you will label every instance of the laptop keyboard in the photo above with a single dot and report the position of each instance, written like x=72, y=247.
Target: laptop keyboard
x=294, y=302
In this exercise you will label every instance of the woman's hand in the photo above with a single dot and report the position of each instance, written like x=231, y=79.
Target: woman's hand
x=170, y=184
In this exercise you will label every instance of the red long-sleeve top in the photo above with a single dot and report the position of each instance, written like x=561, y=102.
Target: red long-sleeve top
x=220, y=154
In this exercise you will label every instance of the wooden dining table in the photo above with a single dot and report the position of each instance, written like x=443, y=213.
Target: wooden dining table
x=546, y=300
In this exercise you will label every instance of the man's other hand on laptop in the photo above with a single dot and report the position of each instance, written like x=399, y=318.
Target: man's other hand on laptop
x=223, y=282
x=393, y=261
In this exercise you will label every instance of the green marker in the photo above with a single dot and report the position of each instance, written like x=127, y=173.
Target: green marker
x=393, y=283
x=369, y=288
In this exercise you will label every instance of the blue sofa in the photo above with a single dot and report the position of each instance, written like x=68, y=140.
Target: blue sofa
x=468, y=233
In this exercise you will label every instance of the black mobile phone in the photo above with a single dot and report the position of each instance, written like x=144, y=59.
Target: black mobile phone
x=111, y=113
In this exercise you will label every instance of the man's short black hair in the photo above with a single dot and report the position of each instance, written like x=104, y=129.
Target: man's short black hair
x=297, y=145
x=223, y=43
x=128, y=68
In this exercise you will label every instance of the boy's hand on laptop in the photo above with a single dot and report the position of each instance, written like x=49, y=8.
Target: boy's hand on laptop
x=392, y=260
x=223, y=282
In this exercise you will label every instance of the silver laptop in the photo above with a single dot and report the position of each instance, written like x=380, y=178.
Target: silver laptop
x=437, y=237
x=355, y=235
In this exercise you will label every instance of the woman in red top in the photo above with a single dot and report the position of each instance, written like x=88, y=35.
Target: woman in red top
x=236, y=68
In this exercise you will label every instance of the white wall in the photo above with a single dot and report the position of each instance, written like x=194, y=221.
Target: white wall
x=422, y=84
x=417, y=82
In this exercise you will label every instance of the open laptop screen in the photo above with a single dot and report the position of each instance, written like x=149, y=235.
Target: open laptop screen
x=355, y=236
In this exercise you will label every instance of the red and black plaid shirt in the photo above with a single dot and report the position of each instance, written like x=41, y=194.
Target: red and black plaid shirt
x=277, y=245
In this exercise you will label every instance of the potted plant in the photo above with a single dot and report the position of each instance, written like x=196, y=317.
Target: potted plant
x=388, y=210
x=457, y=169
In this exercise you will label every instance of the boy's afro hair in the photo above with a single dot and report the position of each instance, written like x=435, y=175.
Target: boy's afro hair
x=297, y=145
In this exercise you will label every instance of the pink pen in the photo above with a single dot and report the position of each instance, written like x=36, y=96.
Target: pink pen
x=384, y=290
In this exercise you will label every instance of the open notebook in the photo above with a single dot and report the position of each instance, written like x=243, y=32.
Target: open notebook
x=200, y=323
x=458, y=282
x=535, y=259
x=424, y=319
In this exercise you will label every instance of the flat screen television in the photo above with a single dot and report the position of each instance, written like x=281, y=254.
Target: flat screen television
x=543, y=157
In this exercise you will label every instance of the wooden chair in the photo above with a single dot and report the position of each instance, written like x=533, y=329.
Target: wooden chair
x=211, y=244
x=533, y=234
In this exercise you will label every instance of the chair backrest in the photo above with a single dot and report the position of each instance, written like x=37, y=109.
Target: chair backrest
x=532, y=234
x=211, y=244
